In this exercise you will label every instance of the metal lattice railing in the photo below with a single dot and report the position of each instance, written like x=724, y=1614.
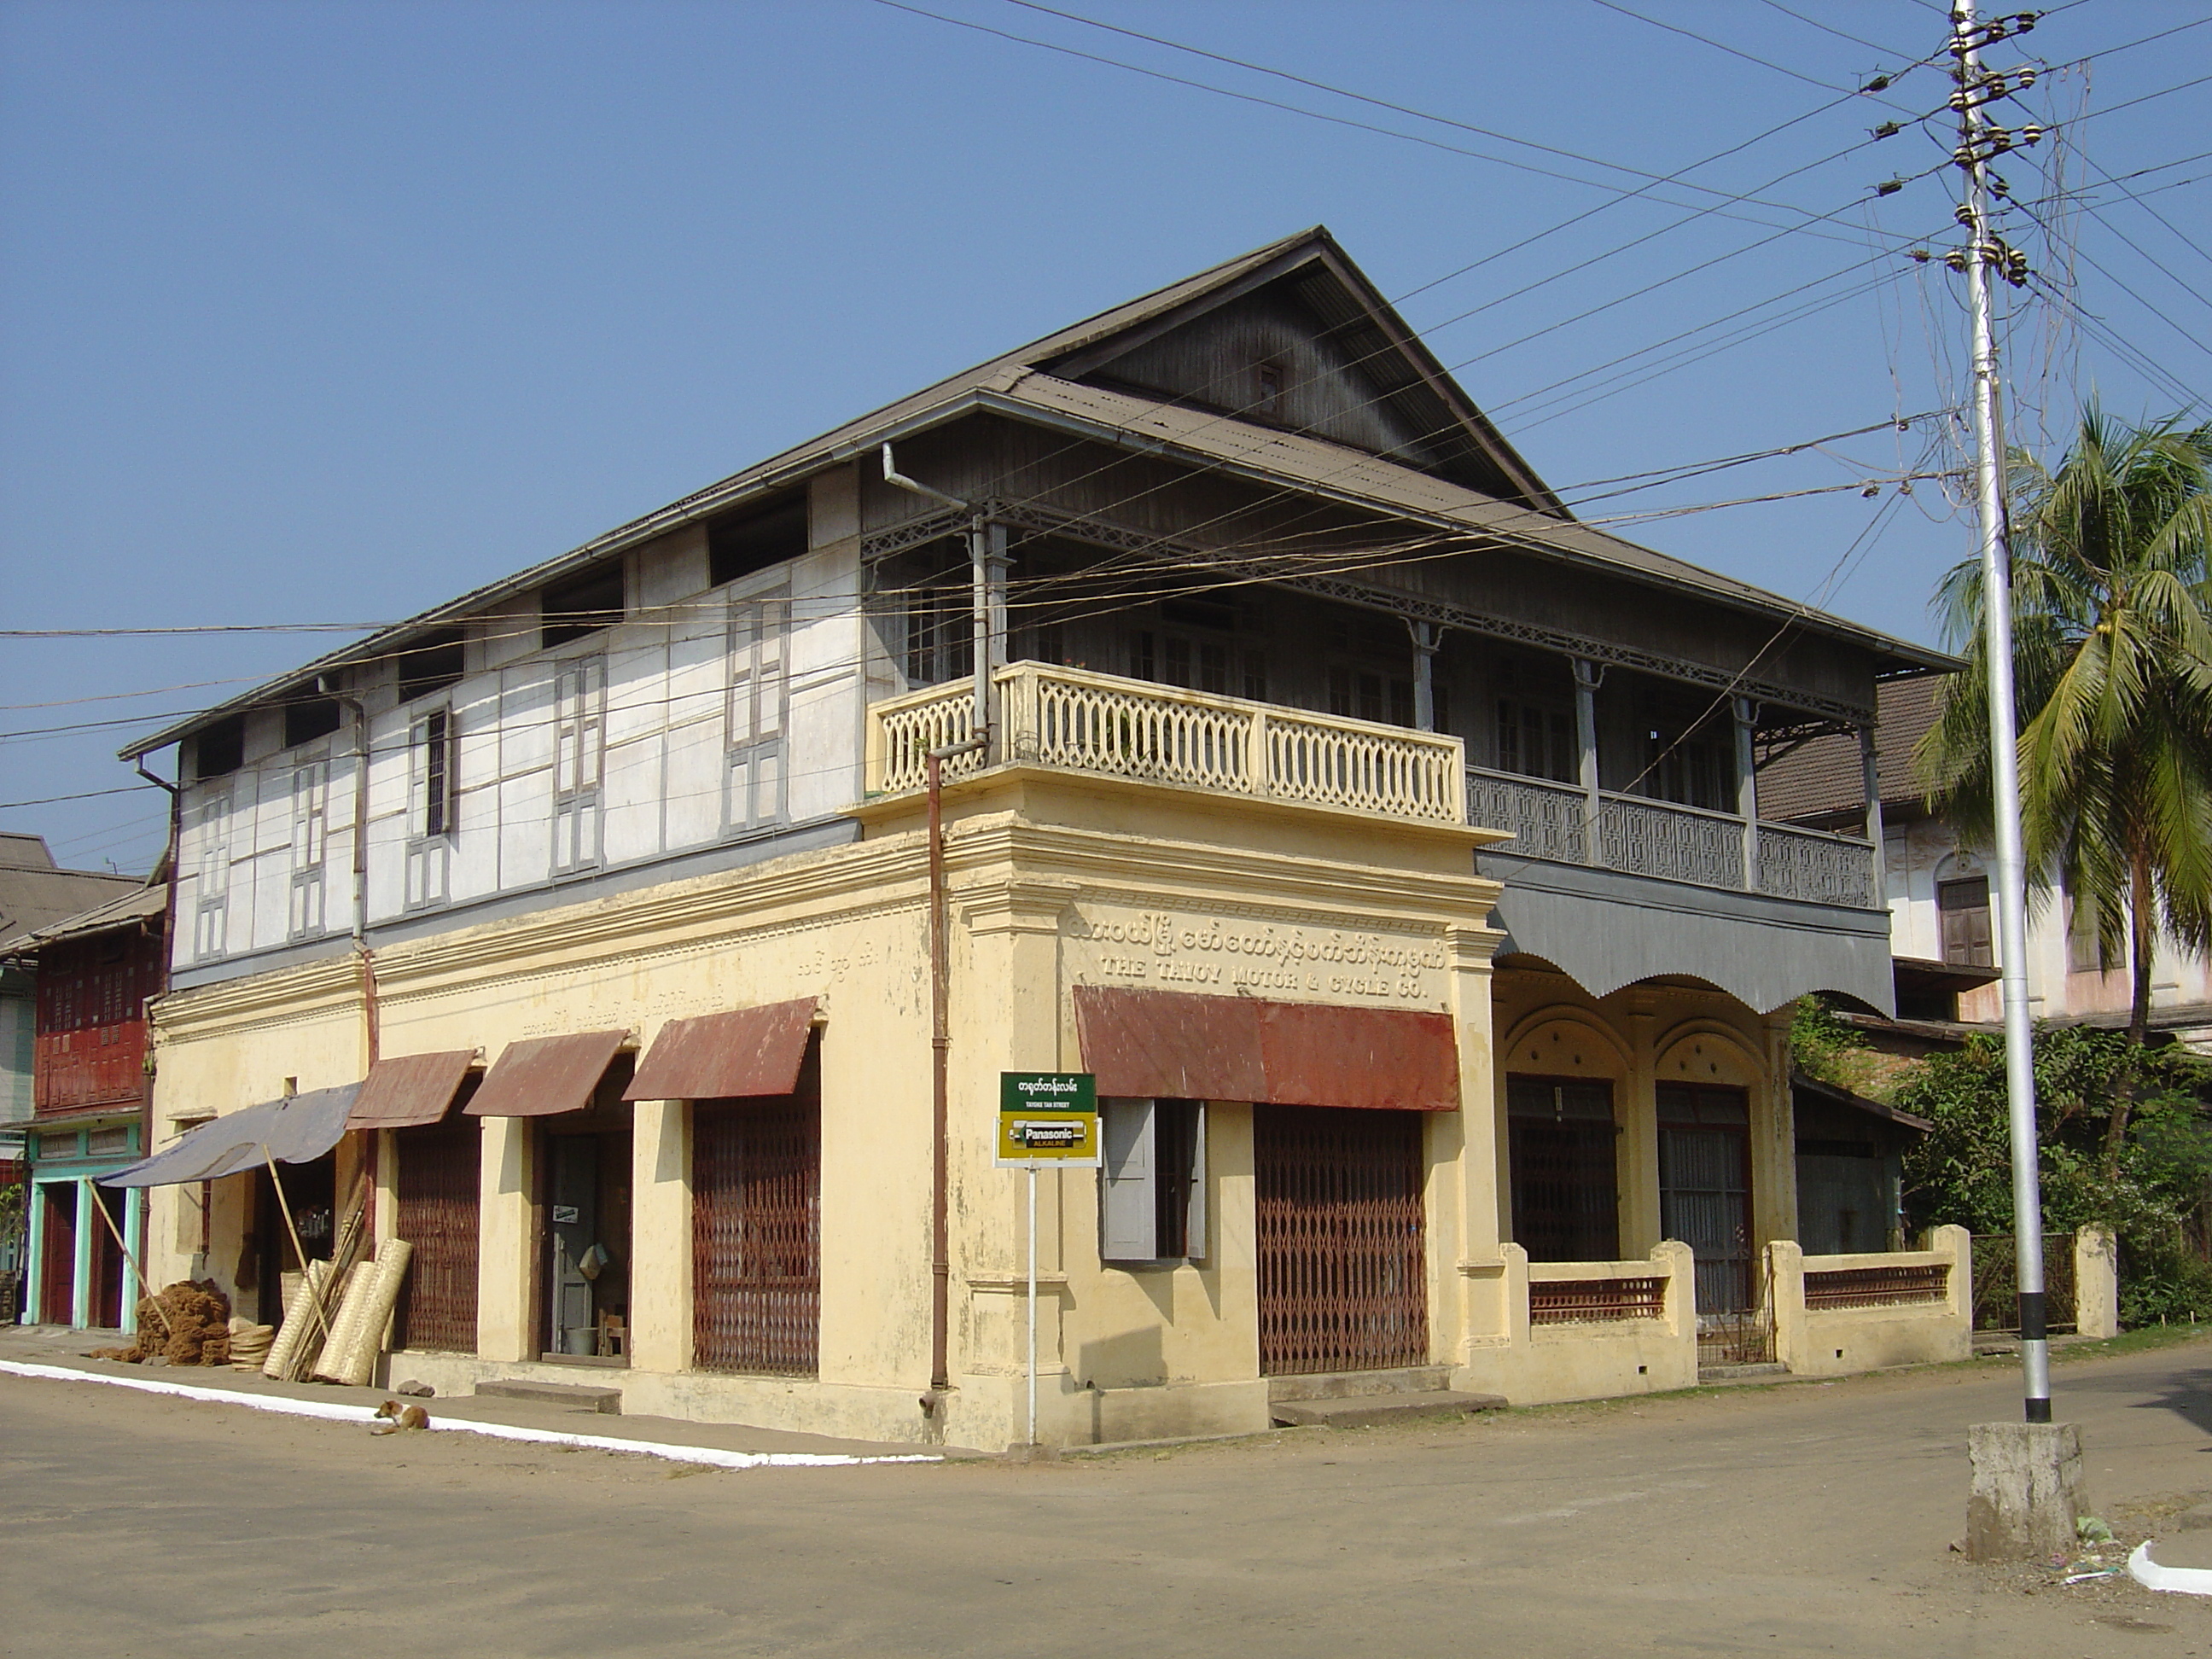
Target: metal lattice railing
x=1803, y=864
x=1074, y=720
x=1546, y=819
x=1648, y=838
x=1876, y=1287
x=1592, y=1301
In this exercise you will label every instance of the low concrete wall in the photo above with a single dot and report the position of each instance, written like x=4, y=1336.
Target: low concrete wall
x=1585, y=1360
x=1816, y=1342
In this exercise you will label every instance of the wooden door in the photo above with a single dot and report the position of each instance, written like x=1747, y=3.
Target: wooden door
x=1342, y=1257
x=57, y=1255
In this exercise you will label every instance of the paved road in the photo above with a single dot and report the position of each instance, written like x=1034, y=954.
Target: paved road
x=1804, y=1520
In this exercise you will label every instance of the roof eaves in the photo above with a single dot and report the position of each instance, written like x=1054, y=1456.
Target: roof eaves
x=1541, y=533
x=917, y=411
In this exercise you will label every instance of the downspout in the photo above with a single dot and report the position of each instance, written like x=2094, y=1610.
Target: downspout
x=168, y=950
x=371, y=1019
x=941, y=1007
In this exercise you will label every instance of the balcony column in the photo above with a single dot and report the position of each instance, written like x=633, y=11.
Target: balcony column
x=1746, y=788
x=1871, y=782
x=1588, y=676
x=1427, y=637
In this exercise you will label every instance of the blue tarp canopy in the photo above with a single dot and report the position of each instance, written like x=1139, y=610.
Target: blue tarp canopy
x=292, y=1131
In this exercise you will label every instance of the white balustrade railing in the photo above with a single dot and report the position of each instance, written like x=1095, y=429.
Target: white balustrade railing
x=1074, y=720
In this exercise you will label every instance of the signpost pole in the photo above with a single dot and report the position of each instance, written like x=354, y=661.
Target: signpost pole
x=1033, y=1369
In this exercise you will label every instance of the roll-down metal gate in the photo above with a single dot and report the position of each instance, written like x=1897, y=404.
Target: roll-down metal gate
x=439, y=1203
x=1343, y=1263
x=756, y=1234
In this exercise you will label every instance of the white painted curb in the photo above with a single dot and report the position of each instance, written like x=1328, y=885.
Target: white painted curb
x=2189, y=1581
x=333, y=1411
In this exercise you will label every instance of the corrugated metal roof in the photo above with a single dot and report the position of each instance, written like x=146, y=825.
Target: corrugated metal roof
x=1175, y=1045
x=408, y=1090
x=34, y=900
x=546, y=1077
x=1357, y=476
x=142, y=904
x=1007, y=382
x=746, y=1053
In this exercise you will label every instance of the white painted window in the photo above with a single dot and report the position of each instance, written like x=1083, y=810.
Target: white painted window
x=431, y=806
x=1152, y=1190
x=211, y=910
x=759, y=707
x=579, y=735
x=311, y=813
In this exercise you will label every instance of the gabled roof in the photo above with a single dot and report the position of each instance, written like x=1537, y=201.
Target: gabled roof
x=142, y=904
x=1040, y=380
x=35, y=894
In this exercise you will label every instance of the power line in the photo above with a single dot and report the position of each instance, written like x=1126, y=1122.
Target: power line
x=1718, y=46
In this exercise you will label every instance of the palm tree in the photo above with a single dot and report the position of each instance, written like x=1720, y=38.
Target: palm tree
x=2112, y=579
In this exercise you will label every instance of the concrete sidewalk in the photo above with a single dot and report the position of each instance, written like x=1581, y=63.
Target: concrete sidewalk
x=54, y=1346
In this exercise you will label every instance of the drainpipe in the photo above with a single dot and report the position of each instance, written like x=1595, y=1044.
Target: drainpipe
x=168, y=947
x=371, y=1019
x=941, y=1014
x=940, y=1110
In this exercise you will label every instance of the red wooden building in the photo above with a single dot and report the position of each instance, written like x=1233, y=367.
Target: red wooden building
x=90, y=1085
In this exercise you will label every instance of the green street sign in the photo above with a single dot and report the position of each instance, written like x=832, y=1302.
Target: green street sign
x=1047, y=1117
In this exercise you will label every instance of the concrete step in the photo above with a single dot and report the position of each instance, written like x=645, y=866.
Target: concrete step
x=1709, y=1375
x=575, y=1396
x=1346, y=1385
x=1358, y=1410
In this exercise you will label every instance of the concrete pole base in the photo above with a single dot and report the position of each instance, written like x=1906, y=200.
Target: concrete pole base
x=2026, y=1491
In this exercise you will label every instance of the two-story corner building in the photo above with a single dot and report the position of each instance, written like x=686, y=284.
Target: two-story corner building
x=1386, y=842
x=94, y=974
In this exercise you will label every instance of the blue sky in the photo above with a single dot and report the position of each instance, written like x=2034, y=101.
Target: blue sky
x=324, y=313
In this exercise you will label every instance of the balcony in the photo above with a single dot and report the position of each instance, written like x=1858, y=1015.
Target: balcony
x=1073, y=720
x=1563, y=824
x=1611, y=891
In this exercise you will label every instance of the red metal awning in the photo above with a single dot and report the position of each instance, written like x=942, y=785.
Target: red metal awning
x=744, y=1052
x=410, y=1089
x=1173, y=1044
x=1170, y=1045
x=545, y=1077
x=1387, y=1059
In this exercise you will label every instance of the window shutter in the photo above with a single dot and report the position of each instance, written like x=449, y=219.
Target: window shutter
x=1128, y=1218
x=1195, y=1223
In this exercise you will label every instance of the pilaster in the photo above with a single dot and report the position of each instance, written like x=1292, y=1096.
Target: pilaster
x=660, y=1328
x=507, y=1254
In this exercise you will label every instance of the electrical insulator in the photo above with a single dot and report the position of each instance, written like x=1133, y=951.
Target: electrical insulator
x=1887, y=130
x=2031, y=135
x=1889, y=187
x=1919, y=255
x=1956, y=259
x=1870, y=490
x=1964, y=213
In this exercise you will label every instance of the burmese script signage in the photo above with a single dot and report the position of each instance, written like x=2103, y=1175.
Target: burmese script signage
x=1241, y=953
x=1047, y=1117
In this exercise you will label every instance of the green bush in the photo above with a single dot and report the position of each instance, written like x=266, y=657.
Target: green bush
x=2146, y=1183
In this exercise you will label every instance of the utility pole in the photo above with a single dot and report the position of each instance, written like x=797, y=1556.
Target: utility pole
x=1979, y=141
